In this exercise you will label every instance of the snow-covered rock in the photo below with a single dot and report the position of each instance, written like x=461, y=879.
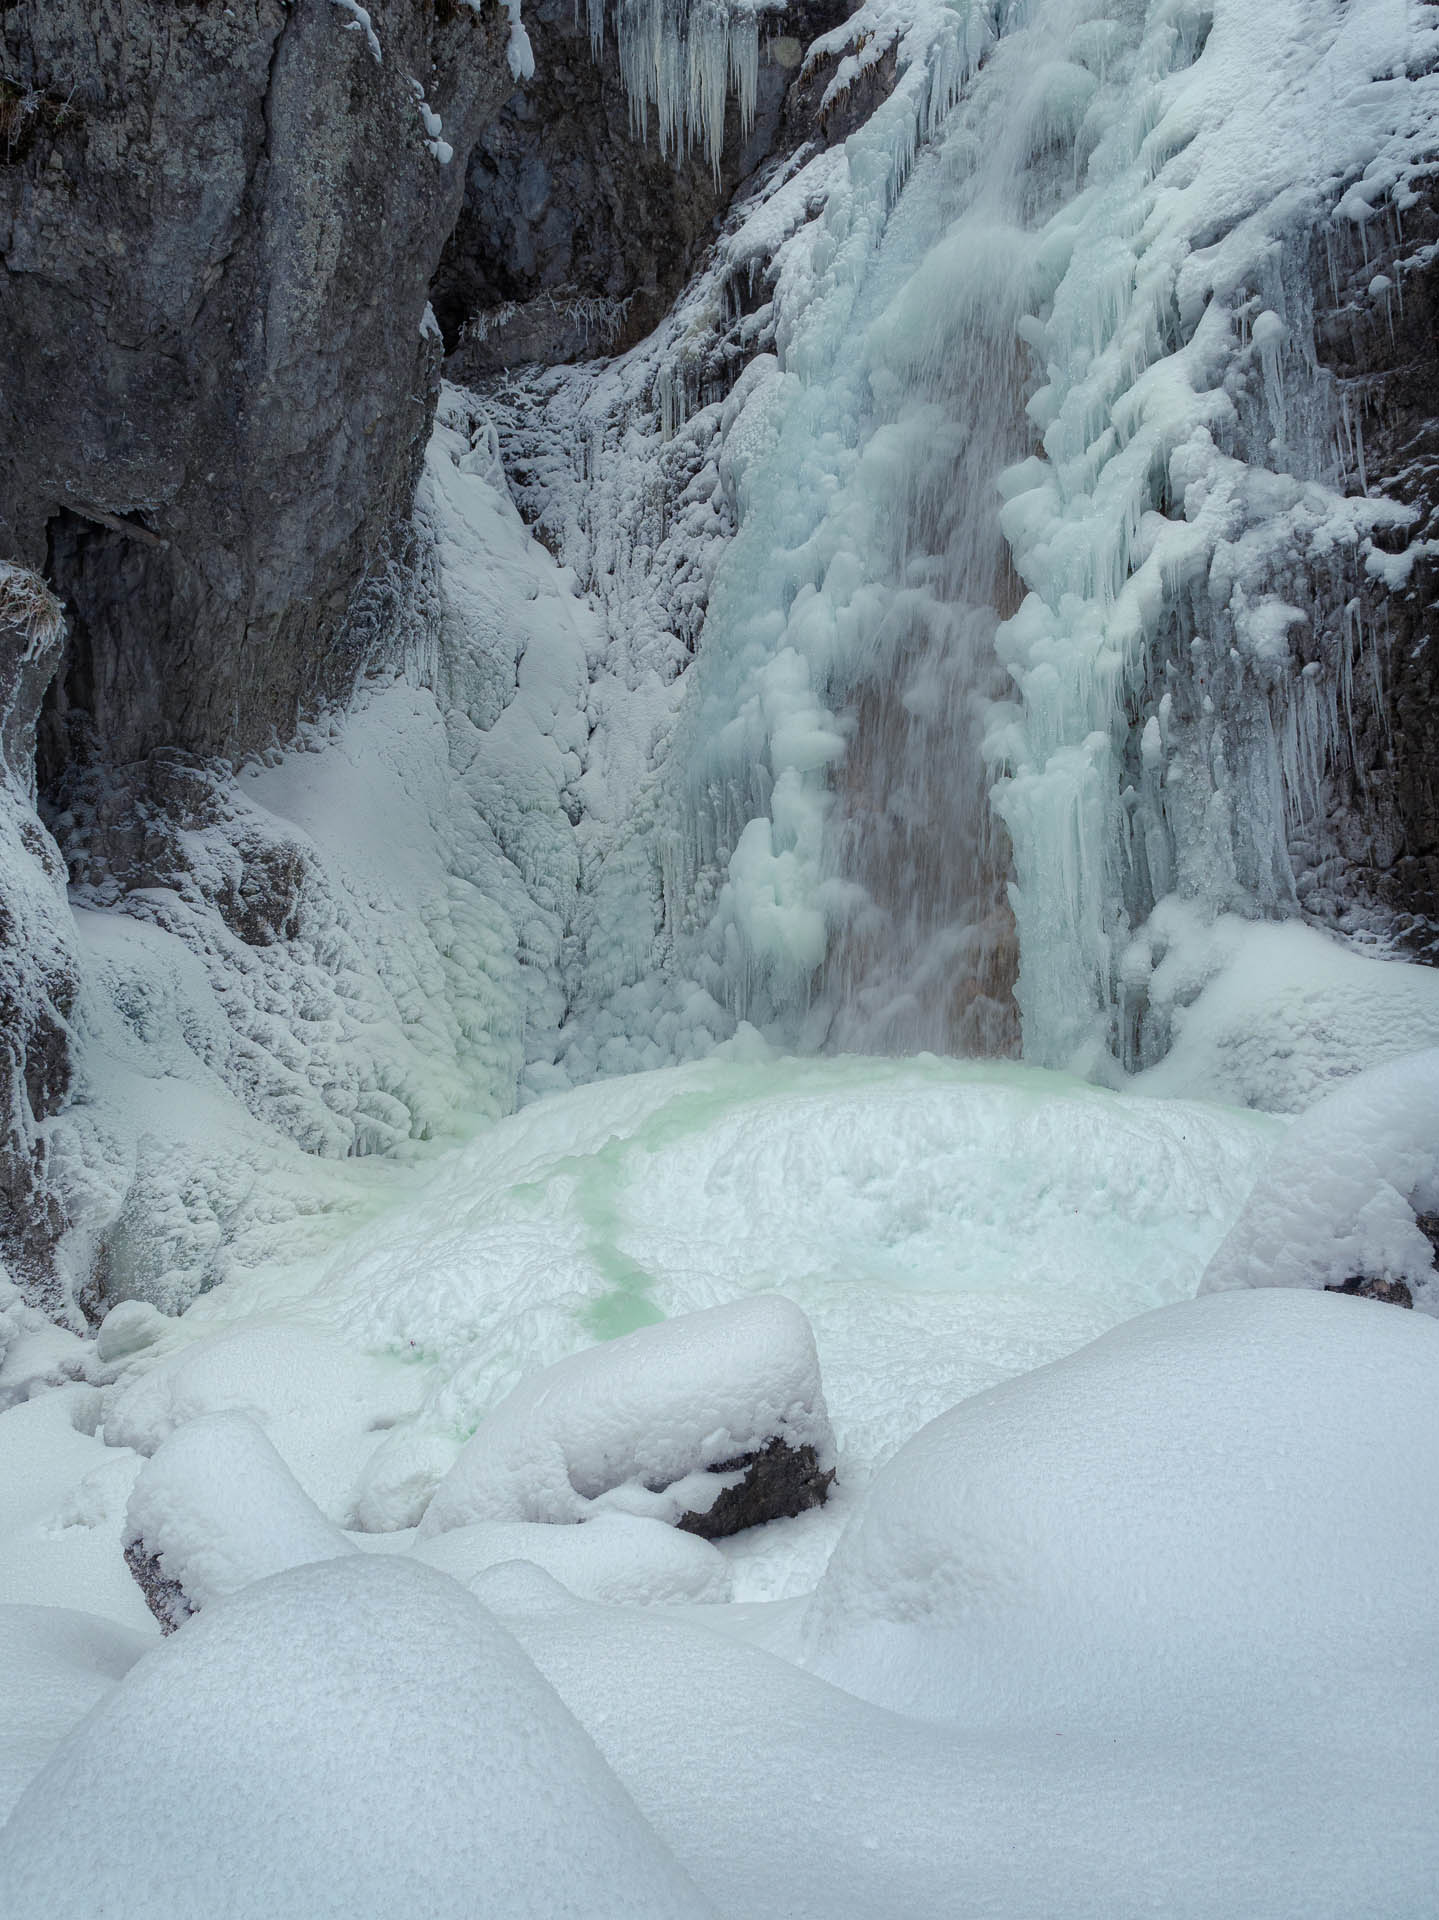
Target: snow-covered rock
x=1216, y=1503
x=651, y=1423
x=359, y=1738
x=1338, y=1198
x=214, y=1510
x=34, y=1352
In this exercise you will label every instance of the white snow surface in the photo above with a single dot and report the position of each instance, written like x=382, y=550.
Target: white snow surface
x=1109, y=1718
x=1025, y=1685
x=1338, y=1196
x=637, y=1423
x=452, y=1779
x=1273, y=1014
x=620, y=1559
x=991, y=1574
x=57, y=1664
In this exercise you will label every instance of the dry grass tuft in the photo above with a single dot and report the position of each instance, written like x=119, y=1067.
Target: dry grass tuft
x=28, y=605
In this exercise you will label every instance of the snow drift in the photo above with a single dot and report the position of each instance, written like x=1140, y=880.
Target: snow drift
x=453, y=1781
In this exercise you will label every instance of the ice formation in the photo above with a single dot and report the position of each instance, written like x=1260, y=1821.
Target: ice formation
x=682, y=58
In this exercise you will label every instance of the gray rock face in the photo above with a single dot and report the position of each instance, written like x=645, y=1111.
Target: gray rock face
x=577, y=233
x=218, y=227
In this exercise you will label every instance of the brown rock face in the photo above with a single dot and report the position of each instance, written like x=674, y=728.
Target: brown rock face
x=779, y=1482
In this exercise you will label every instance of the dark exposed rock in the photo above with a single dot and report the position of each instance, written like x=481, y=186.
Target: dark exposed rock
x=1378, y=333
x=779, y=1482
x=1394, y=1292
x=218, y=228
x=1428, y=1225
x=165, y=1598
x=807, y=117
x=577, y=233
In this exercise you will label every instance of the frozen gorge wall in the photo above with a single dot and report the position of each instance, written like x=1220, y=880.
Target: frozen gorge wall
x=1007, y=554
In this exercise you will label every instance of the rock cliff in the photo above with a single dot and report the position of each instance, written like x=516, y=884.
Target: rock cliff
x=218, y=227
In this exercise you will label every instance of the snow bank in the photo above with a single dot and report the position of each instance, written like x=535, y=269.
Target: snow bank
x=783, y=1794
x=1272, y=1015
x=358, y=1738
x=637, y=1422
x=216, y=1509
x=1338, y=1196
x=618, y=1559
x=1216, y=1503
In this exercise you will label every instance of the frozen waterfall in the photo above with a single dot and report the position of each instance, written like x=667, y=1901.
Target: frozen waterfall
x=1045, y=603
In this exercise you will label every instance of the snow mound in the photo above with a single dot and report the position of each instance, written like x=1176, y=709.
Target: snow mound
x=653, y=1410
x=359, y=1738
x=217, y=1509
x=1313, y=1811
x=319, y=1401
x=618, y=1559
x=1221, y=1501
x=1339, y=1194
